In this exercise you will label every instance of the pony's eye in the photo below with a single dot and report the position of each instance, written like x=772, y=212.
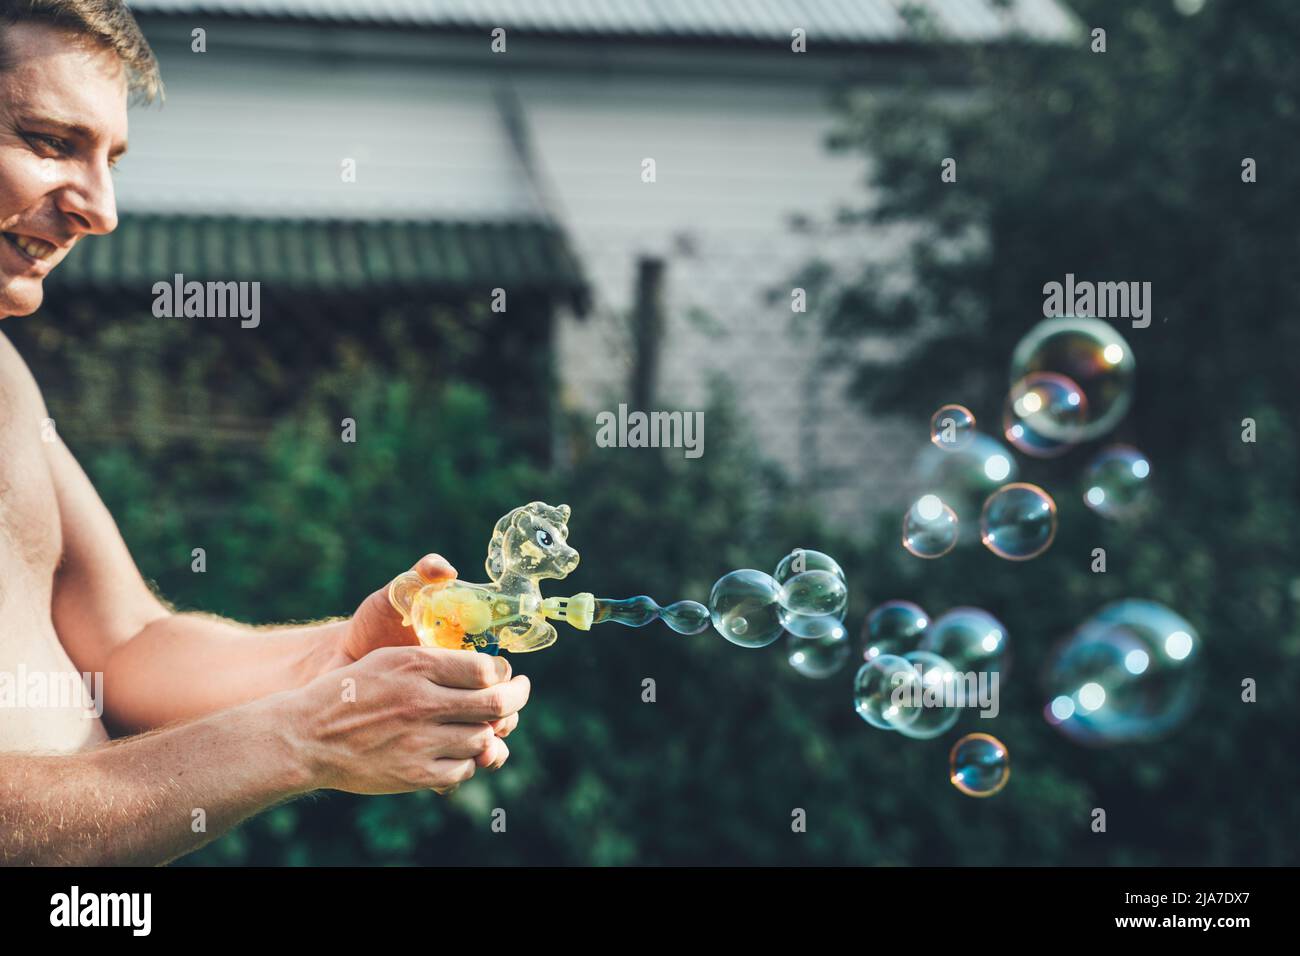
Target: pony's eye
x=544, y=538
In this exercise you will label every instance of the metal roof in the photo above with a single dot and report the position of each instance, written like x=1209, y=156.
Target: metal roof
x=327, y=255
x=844, y=22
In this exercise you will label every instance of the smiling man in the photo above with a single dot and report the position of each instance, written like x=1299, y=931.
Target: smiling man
x=219, y=720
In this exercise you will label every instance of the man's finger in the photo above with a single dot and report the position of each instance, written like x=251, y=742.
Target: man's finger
x=466, y=670
x=505, y=725
x=494, y=755
x=492, y=703
x=434, y=567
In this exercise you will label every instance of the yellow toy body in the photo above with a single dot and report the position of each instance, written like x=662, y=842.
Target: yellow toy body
x=528, y=545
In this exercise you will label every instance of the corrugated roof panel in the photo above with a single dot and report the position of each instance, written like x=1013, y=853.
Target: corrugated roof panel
x=325, y=255
x=833, y=21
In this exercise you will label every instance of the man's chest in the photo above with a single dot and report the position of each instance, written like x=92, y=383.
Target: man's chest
x=31, y=537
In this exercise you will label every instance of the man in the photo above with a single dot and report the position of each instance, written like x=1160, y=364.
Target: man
x=349, y=705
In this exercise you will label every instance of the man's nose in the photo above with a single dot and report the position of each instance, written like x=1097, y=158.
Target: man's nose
x=91, y=202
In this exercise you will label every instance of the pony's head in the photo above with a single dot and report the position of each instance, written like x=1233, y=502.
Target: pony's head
x=532, y=540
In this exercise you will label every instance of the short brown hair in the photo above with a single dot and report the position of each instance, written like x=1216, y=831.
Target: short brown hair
x=107, y=21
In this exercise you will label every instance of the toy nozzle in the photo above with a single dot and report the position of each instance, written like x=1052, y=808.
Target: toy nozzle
x=578, y=610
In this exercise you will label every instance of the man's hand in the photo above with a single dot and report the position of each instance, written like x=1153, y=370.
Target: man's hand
x=377, y=624
x=407, y=718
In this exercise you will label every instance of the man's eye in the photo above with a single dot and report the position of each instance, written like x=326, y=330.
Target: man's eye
x=544, y=538
x=52, y=143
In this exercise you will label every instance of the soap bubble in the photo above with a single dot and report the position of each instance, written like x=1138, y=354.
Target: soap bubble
x=805, y=559
x=813, y=625
x=1130, y=672
x=814, y=592
x=887, y=692
x=979, y=765
x=1094, y=356
x=894, y=627
x=686, y=617
x=1041, y=405
x=1115, y=484
x=969, y=638
x=962, y=479
x=1018, y=522
x=952, y=427
x=821, y=656
x=937, y=682
x=744, y=605
x=929, y=528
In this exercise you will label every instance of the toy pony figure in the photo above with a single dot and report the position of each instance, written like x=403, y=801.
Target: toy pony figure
x=528, y=545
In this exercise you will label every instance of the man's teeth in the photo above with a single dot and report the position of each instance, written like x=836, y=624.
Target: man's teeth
x=36, y=248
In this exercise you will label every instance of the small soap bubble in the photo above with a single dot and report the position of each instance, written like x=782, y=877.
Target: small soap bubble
x=979, y=765
x=930, y=528
x=1040, y=406
x=819, y=656
x=1115, y=484
x=744, y=606
x=1018, y=522
x=894, y=627
x=887, y=692
x=805, y=559
x=952, y=427
x=815, y=593
x=1128, y=673
x=686, y=617
x=938, y=688
x=1095, y=357
x=969, y=638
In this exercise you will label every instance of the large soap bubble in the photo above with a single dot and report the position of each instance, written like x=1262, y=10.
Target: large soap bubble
x=1091, y=354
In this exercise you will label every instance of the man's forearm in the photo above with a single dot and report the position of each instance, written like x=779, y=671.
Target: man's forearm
x=187, y=665
x=151, y=798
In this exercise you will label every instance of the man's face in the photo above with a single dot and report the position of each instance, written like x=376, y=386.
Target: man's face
x=62, y=128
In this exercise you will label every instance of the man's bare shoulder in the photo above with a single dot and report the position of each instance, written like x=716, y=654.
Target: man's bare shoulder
x=16, y=381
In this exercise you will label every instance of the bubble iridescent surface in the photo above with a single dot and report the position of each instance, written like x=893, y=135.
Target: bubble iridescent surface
x=813, y=625
x=686, y=617
x=894, y=627
x=887, y=692
x=744, y=605
x=952, y=427
x=1018, y=522
x=1116, y=484
x=814, y=592
x=1092, y=354
x=819, y=657
x=979, y=765
x=930, y=528
x=964, y=478
x=969, y=638
x=1041, y=405
x=1130, y=672
x=805, y=559
x=939, y=687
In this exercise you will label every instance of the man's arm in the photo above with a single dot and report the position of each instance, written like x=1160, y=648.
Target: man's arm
x=135, y=802
x=404, y=718
x=159, y=666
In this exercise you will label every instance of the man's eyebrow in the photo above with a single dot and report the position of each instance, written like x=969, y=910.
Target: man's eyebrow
x=75, y=130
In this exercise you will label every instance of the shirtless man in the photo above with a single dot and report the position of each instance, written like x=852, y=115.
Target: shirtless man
x=347, y=705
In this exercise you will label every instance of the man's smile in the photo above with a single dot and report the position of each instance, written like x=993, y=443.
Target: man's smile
x=38, y=254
